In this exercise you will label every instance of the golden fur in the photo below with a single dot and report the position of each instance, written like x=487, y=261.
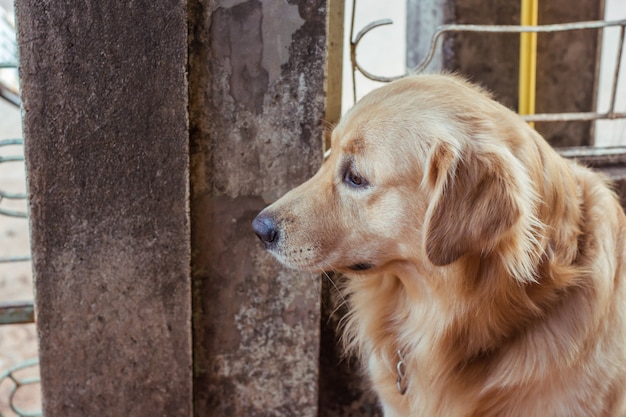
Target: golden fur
x=493, y=265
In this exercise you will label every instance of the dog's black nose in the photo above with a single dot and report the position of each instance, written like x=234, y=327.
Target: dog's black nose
x=265, y=228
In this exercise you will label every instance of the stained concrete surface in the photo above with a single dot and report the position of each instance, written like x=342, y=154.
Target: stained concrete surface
x=106, y=144
x=256, y=131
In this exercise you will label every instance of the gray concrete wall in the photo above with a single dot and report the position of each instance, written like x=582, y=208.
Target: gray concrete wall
x=256, y=111
x=567, y=74
x=423, y=18
x=105, y=124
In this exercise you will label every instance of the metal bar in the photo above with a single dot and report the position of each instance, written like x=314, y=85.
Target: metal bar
x=615, y=154
x=353, y=51
x=528, y=60
x=11, y=158
x=17, y=313
x=353, y=46
x=557, y=27
x=15, y=259
x=587, y=150
x=22, y=365
x=12, y=196
x=568, y=117
x=334, y=66
x=600, y=158
x=512, y=29
x=8, y=142
x=13, y=213
x=9, y=96
x=617, y=69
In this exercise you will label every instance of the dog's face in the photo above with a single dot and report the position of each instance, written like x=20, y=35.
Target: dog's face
x=407, y=179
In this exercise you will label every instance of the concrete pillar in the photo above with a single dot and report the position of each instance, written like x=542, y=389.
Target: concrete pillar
x=105, y=123
x=422, y=20
x=567, y=76
x=256, y=111
x=564, y=60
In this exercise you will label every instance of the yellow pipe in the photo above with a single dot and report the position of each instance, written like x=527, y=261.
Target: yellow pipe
x=528, y=59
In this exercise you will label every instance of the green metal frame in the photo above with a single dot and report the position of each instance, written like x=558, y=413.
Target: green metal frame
x=18, y=383
x=19, y=313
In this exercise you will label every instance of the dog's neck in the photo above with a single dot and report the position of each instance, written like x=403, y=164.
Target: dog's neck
x=408, y=320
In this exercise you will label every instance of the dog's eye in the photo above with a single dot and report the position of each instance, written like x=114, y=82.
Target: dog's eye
x=353, y=179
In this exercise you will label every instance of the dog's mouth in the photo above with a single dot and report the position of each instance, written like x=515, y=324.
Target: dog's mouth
x=361, y=266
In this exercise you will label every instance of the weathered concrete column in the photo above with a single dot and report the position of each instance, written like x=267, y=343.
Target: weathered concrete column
x=256, y=111
x=105, y=123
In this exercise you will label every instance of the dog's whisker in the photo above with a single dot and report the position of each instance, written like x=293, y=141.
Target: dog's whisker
x=343, y=302
x=339, y=292
x=328, y=126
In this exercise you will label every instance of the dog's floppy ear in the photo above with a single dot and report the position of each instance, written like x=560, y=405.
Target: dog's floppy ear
x=474, y=203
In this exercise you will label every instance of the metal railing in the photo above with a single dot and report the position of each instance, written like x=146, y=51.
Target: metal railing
x=456, y=28
x=5, y=195
x=16, y=313
x=19, y=383
x=21, y=376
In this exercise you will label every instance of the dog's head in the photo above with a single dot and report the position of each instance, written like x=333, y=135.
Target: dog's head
x=424, y=169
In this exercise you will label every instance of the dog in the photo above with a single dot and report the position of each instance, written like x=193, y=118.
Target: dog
x=484, y=273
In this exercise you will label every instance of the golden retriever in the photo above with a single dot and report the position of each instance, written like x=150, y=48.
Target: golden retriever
x=485, y=273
